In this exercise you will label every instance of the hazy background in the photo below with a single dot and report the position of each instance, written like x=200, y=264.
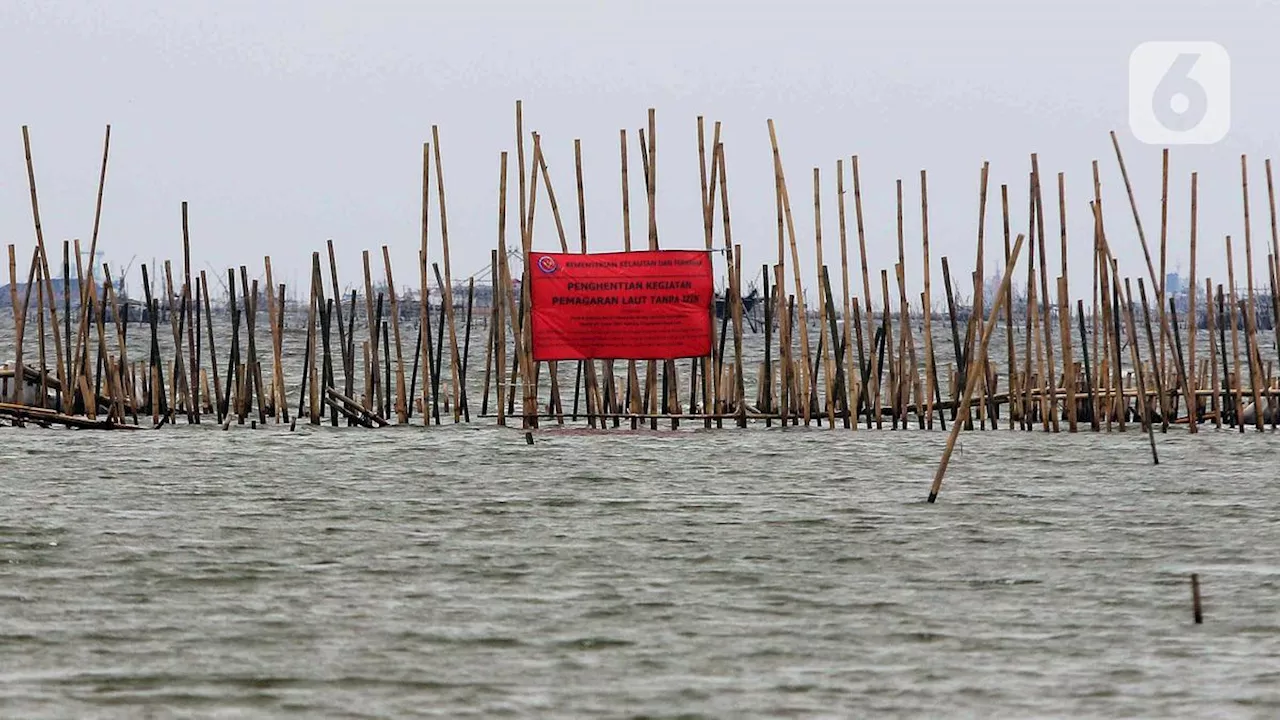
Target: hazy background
x=288, y=123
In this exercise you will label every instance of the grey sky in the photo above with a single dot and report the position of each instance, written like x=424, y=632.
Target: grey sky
x=287, y=123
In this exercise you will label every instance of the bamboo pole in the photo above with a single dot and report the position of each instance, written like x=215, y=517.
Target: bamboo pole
x=278, y=397
x=43, y=401
x=825, y=338
x=979, y=292
x=1014, y=410
x=1216, y=404
x=447, y=296
x=66, y=318
x=795, y=261
x=1193, y=395
x=83, y=328
x=501, y=298
x=1275, y=261
x=402, y=398
x=1255, y=371
x=633, y=379
x=181, y=388
x=1094, y=425
x=1068, y=365
x=739, y=386
x=1049, y=378
x=1159, y=288
x=593, y=385
x=44, y=261
x=122, y=347
x=1064, y=309
x=1193, y=415
x=862, y=253
x=194, y=374
x=254, y=368
x=1250, y=320
x=1235, y=338
x=347, y=362
x=846, y=296
x=1151, y=347
x=1143, y=400
x=490, y=345
x=527, y=365
x=926, y=318
x=371, y=393
x=424, y=322
x=936, y=487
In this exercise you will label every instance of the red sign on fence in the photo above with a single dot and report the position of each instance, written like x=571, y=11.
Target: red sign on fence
x=651, y=305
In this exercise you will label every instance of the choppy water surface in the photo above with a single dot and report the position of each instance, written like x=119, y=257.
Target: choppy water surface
x=763, y=573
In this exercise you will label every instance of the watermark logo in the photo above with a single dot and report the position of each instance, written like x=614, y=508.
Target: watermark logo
x=547, y=264
x=1180, y=93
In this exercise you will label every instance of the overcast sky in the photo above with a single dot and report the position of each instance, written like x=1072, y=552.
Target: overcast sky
x=284, y=124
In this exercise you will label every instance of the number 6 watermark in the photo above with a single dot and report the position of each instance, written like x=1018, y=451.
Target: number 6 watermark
x=1180, y=93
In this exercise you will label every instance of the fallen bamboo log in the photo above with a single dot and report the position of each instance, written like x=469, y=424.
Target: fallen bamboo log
x=46, y=418
x=356, y=408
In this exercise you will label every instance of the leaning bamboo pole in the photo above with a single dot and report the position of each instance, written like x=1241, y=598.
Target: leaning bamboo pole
x=971, y=383
x=807, y=357
x=83, y=327
x=1133, y=205
x=44, y=260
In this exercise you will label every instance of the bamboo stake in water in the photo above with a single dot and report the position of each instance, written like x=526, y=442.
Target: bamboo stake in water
x=1151, y=347
x=1235, y=339
x=824, y=337
x=501, y=298
x=402, y=399
x=1275, y=256
x=1143, y=401
x=1008, y=316
x=593, y=385
x=1193, y=396
x=347, y=365
x=278, y=397
x=44, y=260
x=849, y=404
x=926, y=316
x=795, y=261
x=1161, y=360
x=1255, y=372
x=1216, y=405
x=447, y=294
x=1049, y=380
x=979, y=292
x=1196, y=612
x=874, y=391
x=972, y=380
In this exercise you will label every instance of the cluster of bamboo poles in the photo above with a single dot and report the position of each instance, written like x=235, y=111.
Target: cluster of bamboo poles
x=1127, y=358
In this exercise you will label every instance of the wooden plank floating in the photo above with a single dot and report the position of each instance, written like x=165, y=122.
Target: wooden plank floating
x=793, y=345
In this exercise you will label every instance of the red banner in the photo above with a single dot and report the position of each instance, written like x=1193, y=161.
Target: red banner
x=651, y=305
